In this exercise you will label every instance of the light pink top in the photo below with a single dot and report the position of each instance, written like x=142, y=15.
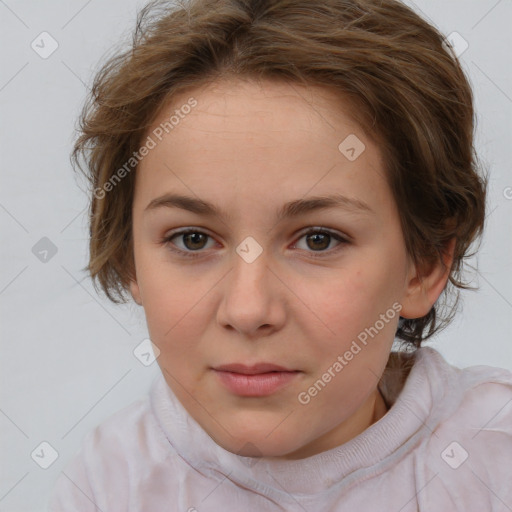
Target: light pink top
x=444, y=446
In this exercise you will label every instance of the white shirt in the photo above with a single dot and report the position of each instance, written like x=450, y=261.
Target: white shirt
x=445, y=445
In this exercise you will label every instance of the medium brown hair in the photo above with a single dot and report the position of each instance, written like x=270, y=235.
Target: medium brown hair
x=410, y=92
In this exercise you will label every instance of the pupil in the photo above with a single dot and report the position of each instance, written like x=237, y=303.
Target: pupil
x=315, y=237
x=196, y=239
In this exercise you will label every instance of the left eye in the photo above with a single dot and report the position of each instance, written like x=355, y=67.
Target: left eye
x=319, y=239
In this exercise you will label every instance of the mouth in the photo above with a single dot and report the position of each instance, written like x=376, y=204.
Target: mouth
x=262, y=379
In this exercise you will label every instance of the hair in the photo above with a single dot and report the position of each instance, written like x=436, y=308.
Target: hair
x=408, y=90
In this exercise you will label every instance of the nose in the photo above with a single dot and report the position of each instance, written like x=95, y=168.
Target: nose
x=253, y=300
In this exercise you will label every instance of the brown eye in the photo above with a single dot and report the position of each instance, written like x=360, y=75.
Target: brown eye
x=194, y=240
x=318, y=241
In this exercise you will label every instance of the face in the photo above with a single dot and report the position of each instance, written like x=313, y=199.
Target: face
x=268, y=276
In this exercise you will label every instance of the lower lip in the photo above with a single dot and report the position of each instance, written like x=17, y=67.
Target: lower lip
x=261, y=384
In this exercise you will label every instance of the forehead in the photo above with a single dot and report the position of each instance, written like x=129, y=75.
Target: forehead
x=266, y=104
x=256, y=137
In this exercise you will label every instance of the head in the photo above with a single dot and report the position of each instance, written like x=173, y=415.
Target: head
x=282, y=182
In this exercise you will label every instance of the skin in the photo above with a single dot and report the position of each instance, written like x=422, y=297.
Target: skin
x=249, y=147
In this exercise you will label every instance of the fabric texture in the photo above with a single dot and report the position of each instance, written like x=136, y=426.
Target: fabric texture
x=444, y=445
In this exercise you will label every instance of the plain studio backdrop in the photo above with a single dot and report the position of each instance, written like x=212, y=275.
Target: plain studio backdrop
x=68, y=355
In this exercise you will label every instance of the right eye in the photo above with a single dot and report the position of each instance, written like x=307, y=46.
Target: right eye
x=193, y=241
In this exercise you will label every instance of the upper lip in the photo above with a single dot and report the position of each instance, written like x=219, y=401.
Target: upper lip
x=252, y=370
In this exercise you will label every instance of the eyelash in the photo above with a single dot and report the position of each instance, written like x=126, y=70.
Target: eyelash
x=195, y=254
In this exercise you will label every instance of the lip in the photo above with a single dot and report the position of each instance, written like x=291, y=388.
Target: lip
x=262, y=379
x=252, y=370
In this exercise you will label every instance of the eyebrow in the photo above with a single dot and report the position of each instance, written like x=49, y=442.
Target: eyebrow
x=291, y=209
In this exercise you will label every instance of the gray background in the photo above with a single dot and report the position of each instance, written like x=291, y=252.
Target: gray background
x=67, y=353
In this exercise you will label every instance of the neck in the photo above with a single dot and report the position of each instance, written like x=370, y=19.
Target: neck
x=371, y=411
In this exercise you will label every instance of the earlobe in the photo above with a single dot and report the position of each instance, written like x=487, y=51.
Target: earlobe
x=423, y=290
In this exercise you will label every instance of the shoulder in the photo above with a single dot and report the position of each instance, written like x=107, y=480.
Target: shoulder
x=127, y=431
x=469, y=447
x=476, y=398
x=112, y=457
x=483, y=413
x=474, y=402
x=126, y=439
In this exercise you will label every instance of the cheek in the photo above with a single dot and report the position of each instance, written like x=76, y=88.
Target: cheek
x=167, y=291
x=172, y=306
x=348, y=300
x=355, y=316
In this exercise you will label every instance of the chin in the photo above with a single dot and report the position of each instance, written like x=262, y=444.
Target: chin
x=259, y=444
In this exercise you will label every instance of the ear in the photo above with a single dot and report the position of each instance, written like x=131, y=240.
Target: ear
x=135, y=291
x=423, y=289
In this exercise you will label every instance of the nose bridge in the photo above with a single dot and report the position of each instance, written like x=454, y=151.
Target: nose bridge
x=250, y=265
x=250, y=293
